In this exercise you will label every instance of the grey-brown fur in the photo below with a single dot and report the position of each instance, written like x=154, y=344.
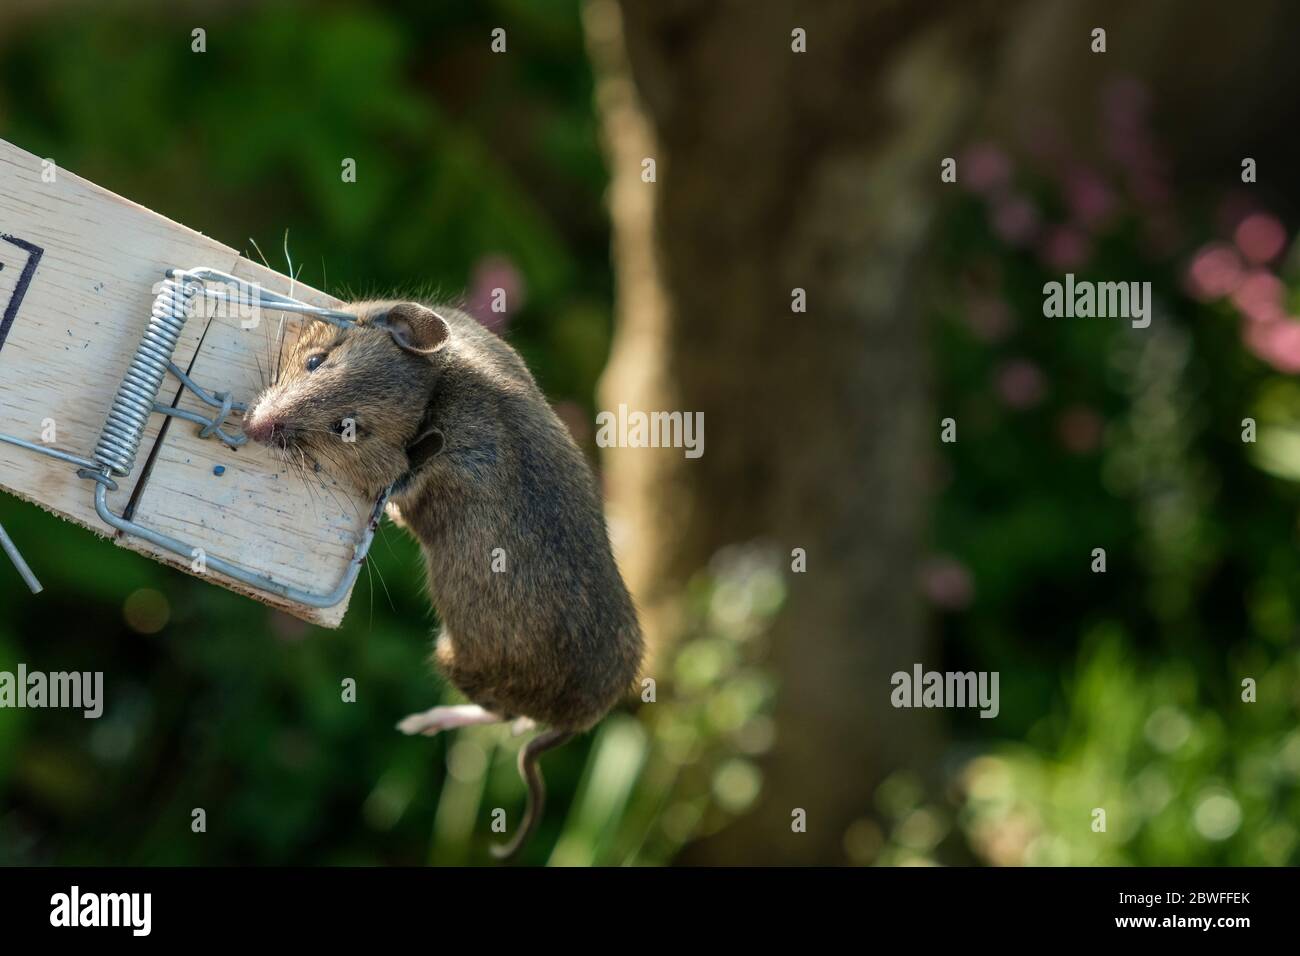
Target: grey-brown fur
x=554, y=637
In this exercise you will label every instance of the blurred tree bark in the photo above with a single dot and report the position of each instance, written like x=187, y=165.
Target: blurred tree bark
x=775, y=171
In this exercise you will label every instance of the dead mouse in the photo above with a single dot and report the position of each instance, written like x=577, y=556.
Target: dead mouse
x=537, y=625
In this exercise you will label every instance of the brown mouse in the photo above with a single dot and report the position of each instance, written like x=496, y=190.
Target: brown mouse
x=537, y=625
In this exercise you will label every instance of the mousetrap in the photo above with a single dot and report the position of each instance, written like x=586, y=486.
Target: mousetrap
x=129, y=347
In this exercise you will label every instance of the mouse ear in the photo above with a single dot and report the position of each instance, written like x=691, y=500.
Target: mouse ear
x=416, y=328
x=427, y=445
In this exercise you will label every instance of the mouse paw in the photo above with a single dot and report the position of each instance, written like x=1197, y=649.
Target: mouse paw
x=438, y=719
x=521, y=725
x=394, y=514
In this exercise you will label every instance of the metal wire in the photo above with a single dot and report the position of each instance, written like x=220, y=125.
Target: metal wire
x=7, y=545
x=50, y=452
x=134, y=403
x=137, y=399
x=211, y=426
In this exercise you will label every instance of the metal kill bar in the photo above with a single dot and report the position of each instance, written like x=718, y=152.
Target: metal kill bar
x=137, y=399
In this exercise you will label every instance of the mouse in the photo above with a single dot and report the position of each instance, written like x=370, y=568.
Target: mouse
x=420, y=400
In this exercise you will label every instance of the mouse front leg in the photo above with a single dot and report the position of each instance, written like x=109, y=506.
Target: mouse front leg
x=438, y=719
x=394, y=514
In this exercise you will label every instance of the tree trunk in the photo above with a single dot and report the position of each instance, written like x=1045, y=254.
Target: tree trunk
x=775, y=171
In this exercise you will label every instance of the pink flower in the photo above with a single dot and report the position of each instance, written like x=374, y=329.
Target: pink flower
x=1277, y=343
x=947, y=583
x=1015, y=219
x=496, y=292
x=1259, y=296
x=1079, y=429
x=1065, y=248
x=1020, y=383
x=984, y=168
x=989, y=319
x=1215, y=271
x=1090, y=199
x=1260, y=237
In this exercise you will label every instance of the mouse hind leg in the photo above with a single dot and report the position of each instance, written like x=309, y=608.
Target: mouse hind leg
x=522, y=725
x=437, y=719
x=431, y=722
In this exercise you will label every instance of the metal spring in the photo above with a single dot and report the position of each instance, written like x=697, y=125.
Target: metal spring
x=134, y=403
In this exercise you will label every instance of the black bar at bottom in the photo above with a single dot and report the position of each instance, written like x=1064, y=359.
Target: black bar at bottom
x=387, y=906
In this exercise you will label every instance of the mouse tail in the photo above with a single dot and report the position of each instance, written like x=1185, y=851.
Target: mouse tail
x=532, y=775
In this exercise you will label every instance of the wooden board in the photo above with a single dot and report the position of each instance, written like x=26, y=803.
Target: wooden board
x=78, y=274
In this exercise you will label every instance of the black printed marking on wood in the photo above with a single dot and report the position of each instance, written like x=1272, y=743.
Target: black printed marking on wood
x=34, y=254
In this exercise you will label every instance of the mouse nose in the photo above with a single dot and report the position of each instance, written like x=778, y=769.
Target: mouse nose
x=264, y=428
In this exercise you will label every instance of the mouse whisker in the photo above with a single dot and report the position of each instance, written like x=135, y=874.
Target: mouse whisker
x=279, y=365
x=322, y=470
x=370, y=579
x=261, y=372
x=382, y=583
x=307, y=484
x=329, y=454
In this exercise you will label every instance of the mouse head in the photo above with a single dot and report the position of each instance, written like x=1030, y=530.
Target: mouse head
x=351, y=402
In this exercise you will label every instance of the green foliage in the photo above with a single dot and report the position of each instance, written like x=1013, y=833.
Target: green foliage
x=1121, y=690
x=465, y=162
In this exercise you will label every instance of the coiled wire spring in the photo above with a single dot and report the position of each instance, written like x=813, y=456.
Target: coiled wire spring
x=138, y=392
x=137, y=399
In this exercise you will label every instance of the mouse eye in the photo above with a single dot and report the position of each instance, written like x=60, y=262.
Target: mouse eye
x=313, y=361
